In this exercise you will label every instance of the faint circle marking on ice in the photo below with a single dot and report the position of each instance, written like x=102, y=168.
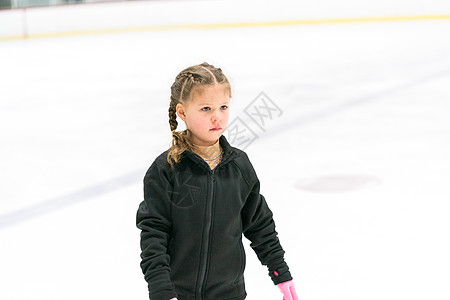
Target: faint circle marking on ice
x=337, y=183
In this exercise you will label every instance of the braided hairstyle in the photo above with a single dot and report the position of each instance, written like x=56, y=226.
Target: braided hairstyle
x=187, y=81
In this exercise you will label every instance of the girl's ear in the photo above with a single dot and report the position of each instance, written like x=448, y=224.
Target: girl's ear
x=180, y=111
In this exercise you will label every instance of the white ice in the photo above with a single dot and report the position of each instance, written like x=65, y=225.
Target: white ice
x=356, y=169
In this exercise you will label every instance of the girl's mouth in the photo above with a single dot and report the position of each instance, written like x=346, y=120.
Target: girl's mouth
x=215, y=129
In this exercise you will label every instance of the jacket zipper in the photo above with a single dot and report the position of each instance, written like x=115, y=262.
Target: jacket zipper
x=207, y=232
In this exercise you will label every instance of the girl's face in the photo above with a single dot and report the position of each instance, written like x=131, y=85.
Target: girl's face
x=206, y=114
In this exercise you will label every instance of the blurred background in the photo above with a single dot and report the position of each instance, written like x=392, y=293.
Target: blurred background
x=351, y=143
x=6, y=4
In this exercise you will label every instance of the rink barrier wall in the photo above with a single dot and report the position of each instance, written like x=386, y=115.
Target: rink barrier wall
x=138, y=16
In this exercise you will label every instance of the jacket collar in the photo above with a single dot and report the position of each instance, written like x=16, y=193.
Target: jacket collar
x=228, y=154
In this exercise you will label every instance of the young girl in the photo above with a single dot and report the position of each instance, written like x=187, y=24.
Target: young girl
x=201, y=195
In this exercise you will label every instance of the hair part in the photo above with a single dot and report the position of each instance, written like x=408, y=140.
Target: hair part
x=188, y=81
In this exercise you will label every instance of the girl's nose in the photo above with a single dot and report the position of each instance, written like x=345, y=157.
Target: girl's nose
x=215, y=116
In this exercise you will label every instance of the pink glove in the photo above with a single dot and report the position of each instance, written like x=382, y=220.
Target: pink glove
x=173, y=299
x=288, y=290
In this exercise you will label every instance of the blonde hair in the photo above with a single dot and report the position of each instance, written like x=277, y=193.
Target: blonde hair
x=187, y=81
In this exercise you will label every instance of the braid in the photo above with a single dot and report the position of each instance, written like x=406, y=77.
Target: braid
x=186, y=82
x=173, y=115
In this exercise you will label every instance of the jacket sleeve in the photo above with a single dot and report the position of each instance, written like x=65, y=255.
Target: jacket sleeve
x=154, y=220
x=259, y=228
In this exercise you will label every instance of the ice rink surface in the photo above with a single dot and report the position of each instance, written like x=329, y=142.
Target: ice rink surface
x=355, y=169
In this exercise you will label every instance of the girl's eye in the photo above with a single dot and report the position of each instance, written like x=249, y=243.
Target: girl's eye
x=224, y=107
x=206, y=108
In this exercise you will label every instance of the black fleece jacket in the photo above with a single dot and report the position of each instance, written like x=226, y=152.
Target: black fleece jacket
x=192, y=220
